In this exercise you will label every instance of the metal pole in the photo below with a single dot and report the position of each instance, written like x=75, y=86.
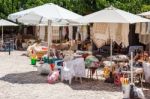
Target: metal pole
x=2, y=35
x=131, y=67
x=9, y=47
x=111, y=41
x=49, y=38
x=111, y=50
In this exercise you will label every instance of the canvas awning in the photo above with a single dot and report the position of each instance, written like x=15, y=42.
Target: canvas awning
x=6, y=23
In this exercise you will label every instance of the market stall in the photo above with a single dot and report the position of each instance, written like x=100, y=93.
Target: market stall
x=4, y=45
x=112, y=16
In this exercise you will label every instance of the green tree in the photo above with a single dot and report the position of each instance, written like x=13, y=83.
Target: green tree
x=82, y=7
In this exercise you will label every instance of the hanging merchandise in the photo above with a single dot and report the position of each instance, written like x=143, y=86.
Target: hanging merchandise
x=63, y=31
x=74, y=32
x=118, y=32
x=124, y=34
x=70, y=32
x=138, y=28
x=143, y=28
x=144, y=38
x=67, y=34
x=55, y=33
x=147, y=28
x=100, y=34
x=84, y=32
x=99, y=40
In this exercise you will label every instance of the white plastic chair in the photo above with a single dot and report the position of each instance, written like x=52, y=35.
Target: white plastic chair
x=67, y=72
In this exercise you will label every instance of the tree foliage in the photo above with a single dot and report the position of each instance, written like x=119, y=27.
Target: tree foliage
x=82, y=7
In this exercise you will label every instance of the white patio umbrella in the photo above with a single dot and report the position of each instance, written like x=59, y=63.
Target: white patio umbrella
x=112, y=15
x=6, y=23
x=145, y=14
x=45, y=13
x=35, y=19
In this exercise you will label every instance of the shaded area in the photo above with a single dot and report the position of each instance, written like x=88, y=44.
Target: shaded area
x=95, y=85
x=31, y=77
x=100, y=85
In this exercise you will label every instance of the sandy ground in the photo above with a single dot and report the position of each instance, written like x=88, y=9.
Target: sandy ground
x=20, y=80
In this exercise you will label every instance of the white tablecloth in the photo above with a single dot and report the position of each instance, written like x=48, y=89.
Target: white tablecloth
x=73, y=68
x=79, y=67
x=146, y=67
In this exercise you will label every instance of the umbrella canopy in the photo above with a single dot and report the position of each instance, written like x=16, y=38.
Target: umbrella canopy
x=112, y=15
x=49, y=11
x=145, y=14
x=6, y=23
x=35, y=19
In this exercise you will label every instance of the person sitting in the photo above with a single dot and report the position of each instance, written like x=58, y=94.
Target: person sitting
x=138, y=59
x=145, y=56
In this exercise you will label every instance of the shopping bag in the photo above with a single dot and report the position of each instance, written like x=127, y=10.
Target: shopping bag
x=52, y=78
x=136, y=93
x=44, y=69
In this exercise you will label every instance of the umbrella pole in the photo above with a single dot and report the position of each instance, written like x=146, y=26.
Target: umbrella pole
x=131, y=67
x=111, y=50
x=2, y=35
x=110, y=47
x=49, y=39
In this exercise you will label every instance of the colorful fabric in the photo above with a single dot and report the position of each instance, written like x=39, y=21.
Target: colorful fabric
x=91, y=61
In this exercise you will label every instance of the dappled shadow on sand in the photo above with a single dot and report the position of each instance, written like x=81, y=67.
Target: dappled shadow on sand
x=31, y=77
x=96, y=85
